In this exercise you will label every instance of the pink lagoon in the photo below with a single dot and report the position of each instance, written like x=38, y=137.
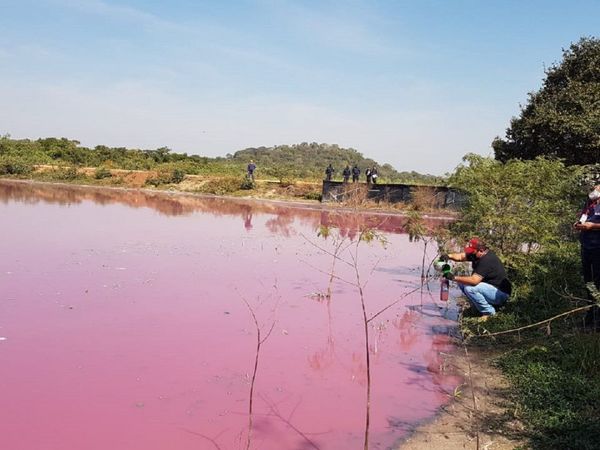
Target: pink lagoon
x=127, y=321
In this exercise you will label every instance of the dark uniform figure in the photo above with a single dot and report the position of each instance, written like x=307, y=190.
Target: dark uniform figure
x=355, y=173
x=346, y=173
x=329, y=172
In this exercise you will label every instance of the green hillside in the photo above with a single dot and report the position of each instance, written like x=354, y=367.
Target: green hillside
x=310, y=160
x=300, y=161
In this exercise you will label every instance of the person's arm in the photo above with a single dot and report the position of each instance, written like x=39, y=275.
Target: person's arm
x=471, y=280
x=587, y=226
x=460, y=257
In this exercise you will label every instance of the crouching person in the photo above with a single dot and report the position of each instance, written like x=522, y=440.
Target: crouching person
x=488, y=286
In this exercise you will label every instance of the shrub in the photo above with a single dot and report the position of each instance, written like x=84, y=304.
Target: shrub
x=13, y=166
x=177, y=176
x=313, y=196
x=166, y=176
x=287, y=182
x=220, y=186
x=423, y=198
x=101, y=173
x=64, y=174
x=247, y=184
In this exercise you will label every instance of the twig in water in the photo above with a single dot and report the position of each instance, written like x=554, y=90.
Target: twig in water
x=259, y=342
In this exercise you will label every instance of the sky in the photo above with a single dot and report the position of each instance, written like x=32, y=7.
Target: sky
x=417, y=84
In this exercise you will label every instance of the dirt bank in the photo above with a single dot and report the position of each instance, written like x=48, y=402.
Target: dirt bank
x=481, y=415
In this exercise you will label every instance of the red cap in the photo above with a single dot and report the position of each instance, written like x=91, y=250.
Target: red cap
x=473, y=246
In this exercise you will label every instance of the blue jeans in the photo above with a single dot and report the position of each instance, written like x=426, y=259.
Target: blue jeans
x=484, y=297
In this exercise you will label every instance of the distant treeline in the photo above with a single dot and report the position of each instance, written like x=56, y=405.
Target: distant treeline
x=299, y=161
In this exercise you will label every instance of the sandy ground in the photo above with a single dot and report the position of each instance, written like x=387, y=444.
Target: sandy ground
x=481, y=415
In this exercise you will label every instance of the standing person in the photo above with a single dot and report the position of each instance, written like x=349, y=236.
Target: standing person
x=368, y=175
x=488, y=285
x=346, y=173
x=589, y=225
x=329, y=172
x=374, y=174
x=251, y=169
x=355, y=173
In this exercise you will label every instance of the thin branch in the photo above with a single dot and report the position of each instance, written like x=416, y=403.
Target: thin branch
x=367, y=353
x=381, y=311
x=276, y=413
x=372, y=272
x=259, y=342
x=325, y=250
x=329, y=273
x=332, y=272
x=268, y=333
x=208, y=438
x=582, y=308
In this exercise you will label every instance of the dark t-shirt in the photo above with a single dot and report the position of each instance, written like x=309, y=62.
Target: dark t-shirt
x=590, y=239
x=492, y=271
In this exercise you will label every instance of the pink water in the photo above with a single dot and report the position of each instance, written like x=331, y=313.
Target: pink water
x=124, y=326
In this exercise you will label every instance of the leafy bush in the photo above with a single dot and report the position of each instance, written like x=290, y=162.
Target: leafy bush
x=14, y=166
x=101, y=173
x=165, y=176
x=247, y=184
x=519, y=205
x=286, y=182
x=313, y=196
x=64, y=174
x=177, y=176
x=220, y=186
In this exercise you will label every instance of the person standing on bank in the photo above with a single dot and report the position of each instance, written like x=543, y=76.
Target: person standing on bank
x=329, y=172
x=589, y=225
x=368, y=175
x=251, y=168
x=488, y=286
x=355, y=173
x=346, y=173
x=374, y=174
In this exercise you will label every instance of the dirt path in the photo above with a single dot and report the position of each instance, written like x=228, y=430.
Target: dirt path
x=480, y=417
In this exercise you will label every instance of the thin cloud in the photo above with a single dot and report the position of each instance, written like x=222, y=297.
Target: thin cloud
x=339, y=26
x=119, y=12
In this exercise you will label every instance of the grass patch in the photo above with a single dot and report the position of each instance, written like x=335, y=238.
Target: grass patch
x=558, y=391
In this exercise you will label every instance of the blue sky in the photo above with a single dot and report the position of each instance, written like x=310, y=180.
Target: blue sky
x=417, y=84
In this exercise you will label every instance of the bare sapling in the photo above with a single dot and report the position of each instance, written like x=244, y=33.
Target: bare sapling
x=260, y=340
x=340, y=253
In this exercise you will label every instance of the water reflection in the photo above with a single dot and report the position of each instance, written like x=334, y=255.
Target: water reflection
x=284, y=215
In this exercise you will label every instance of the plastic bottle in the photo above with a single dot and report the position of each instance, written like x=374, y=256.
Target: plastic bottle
x=444, y=289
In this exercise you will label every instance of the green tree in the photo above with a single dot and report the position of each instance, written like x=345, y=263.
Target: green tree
x=562, y=119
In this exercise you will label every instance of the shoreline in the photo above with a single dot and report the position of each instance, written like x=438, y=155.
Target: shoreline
x=480, y=414
x=291, y=202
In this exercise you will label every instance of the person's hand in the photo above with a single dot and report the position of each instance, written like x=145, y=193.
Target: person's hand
x=584, y=226
x=444, y=257
x=448, y=275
